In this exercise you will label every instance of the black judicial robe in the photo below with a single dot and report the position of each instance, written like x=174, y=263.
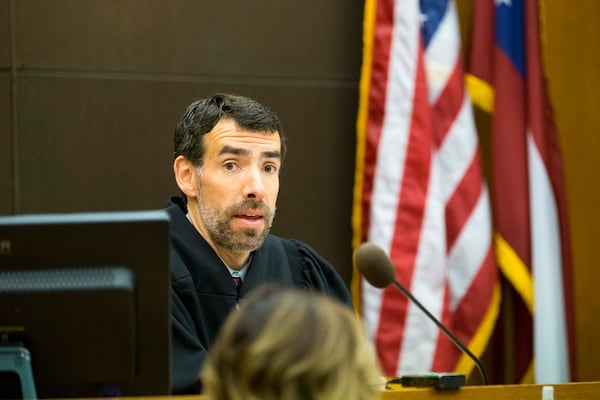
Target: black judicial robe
x=203, y=292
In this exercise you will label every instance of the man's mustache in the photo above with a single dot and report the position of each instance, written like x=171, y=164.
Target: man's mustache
x=249, y=205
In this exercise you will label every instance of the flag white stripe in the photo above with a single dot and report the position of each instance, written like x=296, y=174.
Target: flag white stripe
x=428, y=284
x=442, y=53
x=429, y=272
x=457, y=150
x=396, y=127
x=371, y=305
x=550, y=336
x=470, y=250
x=391, y=150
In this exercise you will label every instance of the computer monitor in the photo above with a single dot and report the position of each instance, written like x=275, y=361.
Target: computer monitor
x=87, y=294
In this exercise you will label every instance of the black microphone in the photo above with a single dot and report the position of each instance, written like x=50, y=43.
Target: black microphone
x=377, y=268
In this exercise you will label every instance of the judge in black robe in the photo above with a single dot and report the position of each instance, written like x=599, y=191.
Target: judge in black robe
x=203, y=291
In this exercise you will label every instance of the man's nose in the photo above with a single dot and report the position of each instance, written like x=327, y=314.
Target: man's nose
x=254, y=186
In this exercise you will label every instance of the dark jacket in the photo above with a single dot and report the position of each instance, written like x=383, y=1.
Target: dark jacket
x=203, y=292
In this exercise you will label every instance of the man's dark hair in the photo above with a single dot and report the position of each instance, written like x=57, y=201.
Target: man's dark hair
x=202, y=115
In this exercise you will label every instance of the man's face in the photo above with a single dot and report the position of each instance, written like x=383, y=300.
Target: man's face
x=238, y=186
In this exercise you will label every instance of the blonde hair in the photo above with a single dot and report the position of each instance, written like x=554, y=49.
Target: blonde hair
x=288, y=344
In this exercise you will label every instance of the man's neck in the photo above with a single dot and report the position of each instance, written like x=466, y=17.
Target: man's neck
x=234, y=260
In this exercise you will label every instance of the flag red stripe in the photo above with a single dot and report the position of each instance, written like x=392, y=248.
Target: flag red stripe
x=376, y=104
x=483, y=46
x=446, y=353
x=462, y=202
x=511, y=194
x=410, y=212
x=468, y=315
x=448, y=105
x=459, y=207
x=509, y=157
x=476, y=299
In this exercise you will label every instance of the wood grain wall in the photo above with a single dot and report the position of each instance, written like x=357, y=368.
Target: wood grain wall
x=573, y=63
x=99, y=85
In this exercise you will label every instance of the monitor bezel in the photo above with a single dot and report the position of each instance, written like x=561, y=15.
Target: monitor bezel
x=138, y=240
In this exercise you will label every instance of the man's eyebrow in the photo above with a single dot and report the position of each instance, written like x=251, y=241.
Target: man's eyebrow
x=234, y=150
x=271, y=154
x=244, y=152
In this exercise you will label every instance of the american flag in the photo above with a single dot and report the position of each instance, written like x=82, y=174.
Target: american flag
x=419, y=190
x=532, y=241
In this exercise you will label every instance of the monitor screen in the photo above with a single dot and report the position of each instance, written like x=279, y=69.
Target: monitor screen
x=87, y=295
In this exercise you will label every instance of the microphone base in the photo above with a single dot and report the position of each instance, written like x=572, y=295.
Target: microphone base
x=442, y=381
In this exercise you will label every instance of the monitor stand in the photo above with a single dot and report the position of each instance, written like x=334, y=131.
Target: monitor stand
x=17, y=359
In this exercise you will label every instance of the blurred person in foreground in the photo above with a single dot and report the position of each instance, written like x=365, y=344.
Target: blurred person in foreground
x=289, y=344
x=228, y=153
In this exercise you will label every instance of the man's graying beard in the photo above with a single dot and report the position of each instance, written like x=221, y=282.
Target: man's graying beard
x=220, y=231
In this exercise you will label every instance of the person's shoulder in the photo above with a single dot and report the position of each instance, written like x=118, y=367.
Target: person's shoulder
x=181, y=228
x=175, y=206
x=273, y=240
x=302, y=249
x=299, y=253
x=311, y=269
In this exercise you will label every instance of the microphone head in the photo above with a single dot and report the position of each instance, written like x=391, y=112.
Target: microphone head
x=374, y=265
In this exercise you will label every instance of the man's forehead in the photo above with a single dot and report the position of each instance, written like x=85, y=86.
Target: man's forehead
x=246, y=151
x=228, y=133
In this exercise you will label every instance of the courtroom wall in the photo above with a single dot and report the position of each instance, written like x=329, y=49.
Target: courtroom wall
x=572, y=62
x=89, y=102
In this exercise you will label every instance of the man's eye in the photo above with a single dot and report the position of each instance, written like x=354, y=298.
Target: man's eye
x=270, y=169
x=229, y=166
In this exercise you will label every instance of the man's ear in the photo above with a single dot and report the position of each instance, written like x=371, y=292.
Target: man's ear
x=185, y=176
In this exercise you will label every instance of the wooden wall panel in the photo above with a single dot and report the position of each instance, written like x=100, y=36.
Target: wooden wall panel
x=6, y=183
x=260, y=39
x=315, y=203
x=572, y=56
x=6, y=146
x=92, y=145
x=102, y=84
x=4, y=35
